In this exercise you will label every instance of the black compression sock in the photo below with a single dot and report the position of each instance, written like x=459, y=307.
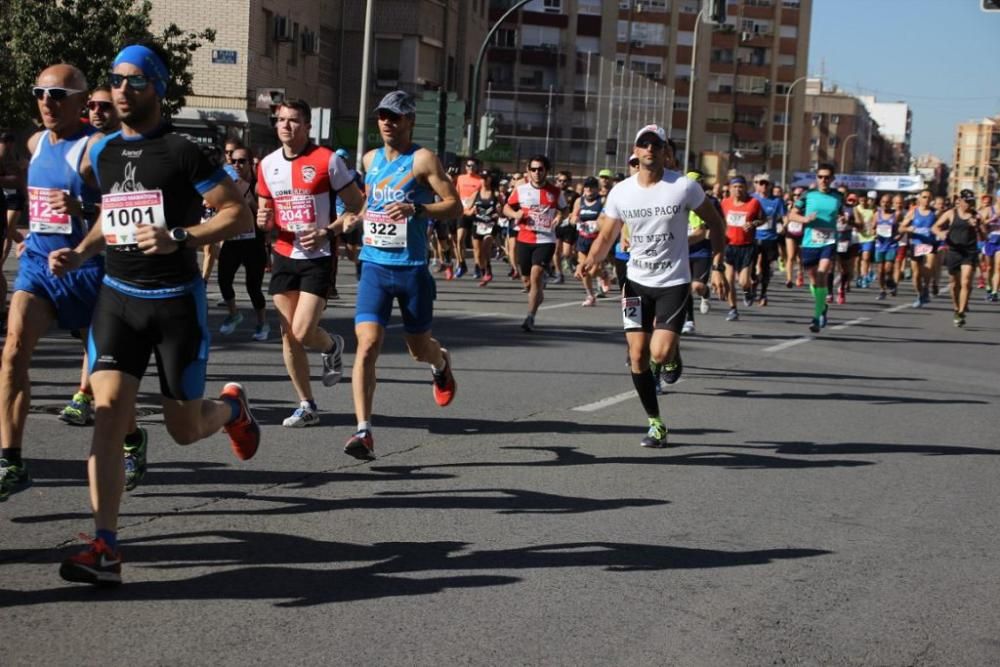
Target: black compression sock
x=690, y=308
x=645, y=386
x=134, y=438
x=12, y=454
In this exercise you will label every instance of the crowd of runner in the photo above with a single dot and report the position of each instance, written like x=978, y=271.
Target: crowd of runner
x=112, y=208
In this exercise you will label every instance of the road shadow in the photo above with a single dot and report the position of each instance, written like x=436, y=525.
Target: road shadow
x=871, y=399
x=804, y=448
x=561, y=456
x=272, y=566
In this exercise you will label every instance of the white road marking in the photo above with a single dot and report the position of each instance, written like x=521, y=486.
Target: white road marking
x=896, y=309
x=788, y=343
x=850, y=323
x=605, y=402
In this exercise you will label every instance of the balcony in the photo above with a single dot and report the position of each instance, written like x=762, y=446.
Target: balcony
x=717, y=126
x=786, y=73
x=760, y=11
x=685, y=21
x=542, y=56
x=761, y=39
x=789, y=16
x=680, y=119
x=749, y=133
x=746, y=69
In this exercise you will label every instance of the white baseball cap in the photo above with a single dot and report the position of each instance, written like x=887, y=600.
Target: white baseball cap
x=872, y=194
x=652, y=129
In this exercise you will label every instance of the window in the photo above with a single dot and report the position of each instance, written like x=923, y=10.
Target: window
x=834, y=118
x=832, y=142
x=817, y=119
x=545, y=6
x=680, y=104
x=682, y=72
x=786, y=60
x=789, y=31
x=689, y=7
x=268, y=33
x=722, y=56
x=791, y=4
x=588, y=44
x=685, y=37
x=642, y=34
x=779, y=118
x=387, y=62
x=293, y=58
x=591, y=7
x=505, y=38
x=720, y=113
x=814, y=144
x=539, y=36
x=720, y=83
x=777, y=148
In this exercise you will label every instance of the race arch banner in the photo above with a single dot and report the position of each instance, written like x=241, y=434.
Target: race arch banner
x=879, y=182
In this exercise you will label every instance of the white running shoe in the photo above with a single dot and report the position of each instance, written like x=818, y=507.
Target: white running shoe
x=705, y=306
x=688, y=327
x=230, y=323
x=261, y=332
x=333, y=362
x=301, y=418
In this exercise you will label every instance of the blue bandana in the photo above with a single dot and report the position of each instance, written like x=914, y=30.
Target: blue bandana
x=150, y=64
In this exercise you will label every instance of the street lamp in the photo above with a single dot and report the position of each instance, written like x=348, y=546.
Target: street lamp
x=843, y=150
x=784, y=144
x=691, y=80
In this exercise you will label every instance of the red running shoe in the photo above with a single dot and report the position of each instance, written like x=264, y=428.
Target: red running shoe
x=486, y=279
x=841, y=298
x=97, y=565
x=444, y=382
x=449, y=273
x=361, y=446
x=244, y=433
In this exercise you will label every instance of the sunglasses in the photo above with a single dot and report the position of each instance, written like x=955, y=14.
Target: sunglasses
x=824, y=177
x=470, y=165
x=94, y=105
x=55, y=93
x=535, y=170
x=650, y=143
x=389, y=116
x=137, y=82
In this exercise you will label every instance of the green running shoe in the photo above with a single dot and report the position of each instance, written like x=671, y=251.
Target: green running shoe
x=656, y=437
x=14, y=477
x=671, y=371
x=135, y=461
x=79, y=411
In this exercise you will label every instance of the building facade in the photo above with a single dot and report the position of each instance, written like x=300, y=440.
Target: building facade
x=976, y=164
x=268, y=50
x=581, y=53
x=840, y=130
x=896, y=122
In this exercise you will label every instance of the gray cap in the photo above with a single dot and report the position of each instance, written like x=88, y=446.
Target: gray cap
x=398, y=102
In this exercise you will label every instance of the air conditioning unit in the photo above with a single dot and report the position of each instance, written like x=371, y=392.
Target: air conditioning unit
x=745, y=36
x=282, y=29
x=638, y=44
x=310, y=43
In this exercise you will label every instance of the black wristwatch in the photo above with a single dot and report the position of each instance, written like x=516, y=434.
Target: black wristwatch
x=180, y=236
x=719, y=267
x=418, y=210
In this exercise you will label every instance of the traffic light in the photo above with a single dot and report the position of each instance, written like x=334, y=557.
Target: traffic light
x=487, y=130
x=717, y=11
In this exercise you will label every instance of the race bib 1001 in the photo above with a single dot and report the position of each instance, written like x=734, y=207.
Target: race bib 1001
x=41, y=218
x=381, y=231
x=123, y=212
x=295, y=213
x=632, y=312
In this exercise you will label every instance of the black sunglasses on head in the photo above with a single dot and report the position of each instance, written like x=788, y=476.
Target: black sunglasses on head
x=56, y=93
x=137, y=82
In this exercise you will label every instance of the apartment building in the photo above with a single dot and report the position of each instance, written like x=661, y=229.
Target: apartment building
x=976, y=164
x=839, y=129
x=266, y=50
x=896, y=122
x=743, y=71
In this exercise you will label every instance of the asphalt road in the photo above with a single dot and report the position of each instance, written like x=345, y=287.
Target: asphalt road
x=826, y=500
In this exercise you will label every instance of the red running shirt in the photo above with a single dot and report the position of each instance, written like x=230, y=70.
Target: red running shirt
x=540, y=206
x=738, y=214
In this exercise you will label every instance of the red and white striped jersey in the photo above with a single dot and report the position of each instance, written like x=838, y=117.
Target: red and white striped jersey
x=540, y=206
x=302, y=191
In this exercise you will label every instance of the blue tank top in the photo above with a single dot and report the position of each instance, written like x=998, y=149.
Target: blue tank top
x=993, y=225
x=885, y=229
x=386, y=183
x=922, y=224
x=57, y=167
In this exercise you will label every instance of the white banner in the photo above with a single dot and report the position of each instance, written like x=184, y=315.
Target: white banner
x=879, y=182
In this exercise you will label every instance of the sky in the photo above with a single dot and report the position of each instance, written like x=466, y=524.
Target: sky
x=939, y=56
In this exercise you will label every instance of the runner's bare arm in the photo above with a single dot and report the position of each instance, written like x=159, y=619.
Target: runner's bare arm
x=428, y=167
x=64, y=260
x=609, y=228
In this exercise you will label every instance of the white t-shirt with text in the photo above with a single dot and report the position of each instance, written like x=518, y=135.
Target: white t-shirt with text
x=657, y=218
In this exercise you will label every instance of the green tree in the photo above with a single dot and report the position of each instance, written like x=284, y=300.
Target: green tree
x=37, y=33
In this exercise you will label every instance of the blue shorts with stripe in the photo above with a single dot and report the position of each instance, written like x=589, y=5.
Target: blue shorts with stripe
x=73, y=296
x=412, y=287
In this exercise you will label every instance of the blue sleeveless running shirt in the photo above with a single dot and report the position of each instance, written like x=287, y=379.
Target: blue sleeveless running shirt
x=57, y=167
x=922, y=226
x=393, y=182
